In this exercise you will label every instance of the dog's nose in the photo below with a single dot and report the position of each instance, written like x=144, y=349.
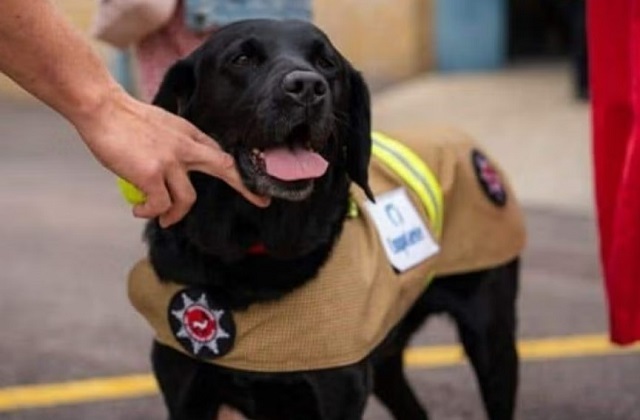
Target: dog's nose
x=305, y=87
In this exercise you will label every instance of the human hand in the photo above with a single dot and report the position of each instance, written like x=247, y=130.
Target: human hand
x=155, y=150
x=228, y=413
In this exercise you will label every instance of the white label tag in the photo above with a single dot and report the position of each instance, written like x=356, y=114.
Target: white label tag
x=405, y=238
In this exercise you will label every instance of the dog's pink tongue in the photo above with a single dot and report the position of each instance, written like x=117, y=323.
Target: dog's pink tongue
x=291, y=165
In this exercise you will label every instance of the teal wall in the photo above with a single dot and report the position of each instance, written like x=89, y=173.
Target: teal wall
x=470, y=34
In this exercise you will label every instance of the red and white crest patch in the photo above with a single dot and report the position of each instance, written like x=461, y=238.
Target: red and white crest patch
x=489, y=178
x=204, y=330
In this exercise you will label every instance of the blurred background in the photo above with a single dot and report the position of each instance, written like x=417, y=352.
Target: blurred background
x=511, y=73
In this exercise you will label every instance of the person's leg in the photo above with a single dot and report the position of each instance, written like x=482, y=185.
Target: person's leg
x=614, y=60
x=159, y=50
x=577, y=20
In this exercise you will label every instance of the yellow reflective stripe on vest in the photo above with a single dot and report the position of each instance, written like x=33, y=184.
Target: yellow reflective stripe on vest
x=412, y=170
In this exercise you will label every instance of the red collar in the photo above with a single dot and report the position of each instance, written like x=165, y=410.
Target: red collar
x=257, y=249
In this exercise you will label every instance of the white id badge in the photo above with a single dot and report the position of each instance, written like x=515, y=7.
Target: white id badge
x=405, y=237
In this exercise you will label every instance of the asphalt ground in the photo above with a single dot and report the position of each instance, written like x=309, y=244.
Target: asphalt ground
x=67, y=241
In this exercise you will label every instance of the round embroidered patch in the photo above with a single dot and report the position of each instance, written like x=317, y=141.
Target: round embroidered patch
x=204, y=330
x=489, y=178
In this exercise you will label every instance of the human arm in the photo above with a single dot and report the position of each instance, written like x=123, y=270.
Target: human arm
x=143, y=144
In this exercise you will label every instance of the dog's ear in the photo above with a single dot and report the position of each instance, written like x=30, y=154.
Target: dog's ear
x=359, y=132
x=177, y=87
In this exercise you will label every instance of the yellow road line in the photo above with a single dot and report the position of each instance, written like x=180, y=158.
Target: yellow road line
x=75, y=392
x=538, y=349
x=135, y=386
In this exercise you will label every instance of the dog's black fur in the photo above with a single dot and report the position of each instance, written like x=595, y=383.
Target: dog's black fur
x=232, y=89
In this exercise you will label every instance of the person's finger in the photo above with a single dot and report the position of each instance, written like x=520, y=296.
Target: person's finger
x=204, y=139
x=158, y=200
x=184, y=126
x=183, y=196
x=221, y=165
x=228, y=413
x=257, y=200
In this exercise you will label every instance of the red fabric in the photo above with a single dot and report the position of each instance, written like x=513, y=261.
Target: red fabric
x=159, y=50
x=614, y=54
x=257, y=249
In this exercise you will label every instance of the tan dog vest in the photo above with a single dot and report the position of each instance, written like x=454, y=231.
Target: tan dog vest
x=339, y=317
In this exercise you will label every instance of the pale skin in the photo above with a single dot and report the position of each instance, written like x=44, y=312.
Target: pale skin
x=143, y=144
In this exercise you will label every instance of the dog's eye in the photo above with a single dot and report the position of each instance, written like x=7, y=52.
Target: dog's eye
x=324, y=63
x=242, y=60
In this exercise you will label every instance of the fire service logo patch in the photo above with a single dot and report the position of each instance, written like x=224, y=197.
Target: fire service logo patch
x=489, y=178
x=203, y=330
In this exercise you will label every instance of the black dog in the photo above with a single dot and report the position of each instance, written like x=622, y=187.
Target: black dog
x=260, y=87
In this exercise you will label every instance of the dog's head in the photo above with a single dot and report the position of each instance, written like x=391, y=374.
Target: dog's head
x=281, y=99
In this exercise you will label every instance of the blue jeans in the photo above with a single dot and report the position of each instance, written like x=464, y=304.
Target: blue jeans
x=201, y=15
